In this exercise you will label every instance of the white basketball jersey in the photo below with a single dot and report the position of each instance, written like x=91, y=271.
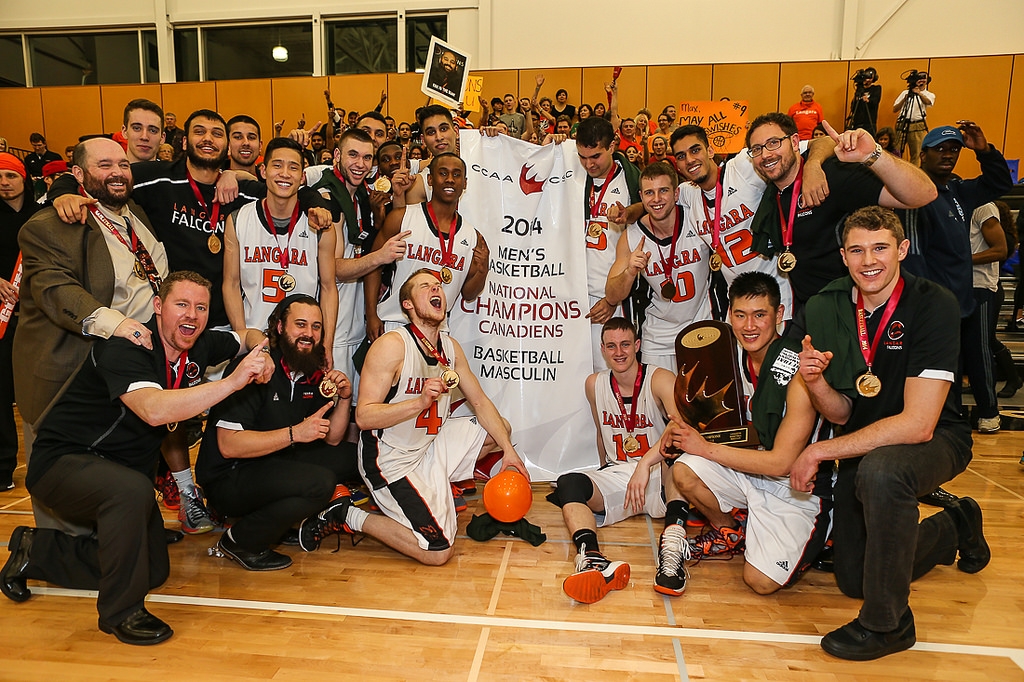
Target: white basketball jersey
x=601, y=249
x=265, y=279
x=742, y=189
x=650, y=420
x=410, y=438
x=351, y=326
x=423, y=250
x=690, y=275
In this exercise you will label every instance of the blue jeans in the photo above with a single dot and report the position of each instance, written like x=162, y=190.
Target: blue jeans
x=879, y=545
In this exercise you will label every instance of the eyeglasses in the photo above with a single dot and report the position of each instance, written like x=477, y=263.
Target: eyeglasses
x=771, y=144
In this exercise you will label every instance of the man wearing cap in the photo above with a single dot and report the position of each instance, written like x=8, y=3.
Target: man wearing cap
x=51, y=172
x=940, y=248
x=16, y=207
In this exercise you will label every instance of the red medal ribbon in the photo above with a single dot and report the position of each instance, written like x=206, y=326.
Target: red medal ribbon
x=866, y=349
x=751, y=372
x=180, y=366
x=436, y=353
x=285, y=257
x=595, y=206
x=446, y=249
x=214, y=212
x=631, y=418
x=668, y=266
x=137, y=248
x=787, y=226
x=715, y=226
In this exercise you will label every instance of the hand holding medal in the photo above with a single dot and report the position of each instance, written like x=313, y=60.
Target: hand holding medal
x=449, y=377
x=335, y=386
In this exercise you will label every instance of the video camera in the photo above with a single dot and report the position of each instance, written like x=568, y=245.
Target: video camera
x=913, y=76
x=863, y=75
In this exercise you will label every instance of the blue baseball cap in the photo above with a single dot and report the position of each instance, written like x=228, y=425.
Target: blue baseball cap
x=937, y=136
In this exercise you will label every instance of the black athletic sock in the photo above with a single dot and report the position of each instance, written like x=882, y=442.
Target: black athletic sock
x=586, y=537
x=675, y=512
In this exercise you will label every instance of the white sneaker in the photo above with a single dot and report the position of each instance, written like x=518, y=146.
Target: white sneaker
x=989, y=424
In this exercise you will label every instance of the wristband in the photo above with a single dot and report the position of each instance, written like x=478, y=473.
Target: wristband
x=291, y=438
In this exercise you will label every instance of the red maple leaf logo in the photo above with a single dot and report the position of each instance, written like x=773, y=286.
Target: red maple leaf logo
x=529, y=185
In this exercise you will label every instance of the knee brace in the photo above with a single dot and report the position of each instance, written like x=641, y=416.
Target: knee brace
x=572, y=487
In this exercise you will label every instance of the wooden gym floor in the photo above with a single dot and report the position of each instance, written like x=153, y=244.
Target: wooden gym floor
x=497, y=611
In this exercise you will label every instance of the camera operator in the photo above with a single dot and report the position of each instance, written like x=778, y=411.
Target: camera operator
x=911, y=106
x=864, y=107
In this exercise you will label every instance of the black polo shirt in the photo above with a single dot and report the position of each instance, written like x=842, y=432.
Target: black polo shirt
x=282, y=402
x=89, y=418
x=817, y=231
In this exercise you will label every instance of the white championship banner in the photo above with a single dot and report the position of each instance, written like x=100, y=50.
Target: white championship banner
x=526, y=336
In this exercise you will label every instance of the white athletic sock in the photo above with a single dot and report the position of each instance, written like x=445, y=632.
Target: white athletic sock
x=355, y=519
x=183, y=479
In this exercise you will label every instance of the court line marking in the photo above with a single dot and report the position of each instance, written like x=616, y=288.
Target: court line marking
x=670, y=615
x=18, y=501
x=1015, y=655
x=485, y=633
x=996, y=484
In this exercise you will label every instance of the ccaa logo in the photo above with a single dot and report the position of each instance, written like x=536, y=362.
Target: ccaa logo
x=529, y=185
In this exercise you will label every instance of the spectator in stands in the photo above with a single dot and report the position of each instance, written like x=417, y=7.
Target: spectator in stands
x=563, y=108
x=806, y=113
x=887, y=138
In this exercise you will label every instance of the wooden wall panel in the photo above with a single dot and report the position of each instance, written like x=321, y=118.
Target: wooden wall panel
x=756, y=83
x=296, y=97
x=1015, y=113
x=71, y=112
x=251, y=97
x=113, y=99
x=182, y=99
x=889, y=71
x=404, y=94
x=554, y=80
x=497, y=83
x=828, y=80
x=21, y=115
x=632, y=87
x=360, y=92
x=674, y=84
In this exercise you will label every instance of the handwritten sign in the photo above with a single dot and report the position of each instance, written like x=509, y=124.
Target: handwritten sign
x=725, y=122
x=471, y=97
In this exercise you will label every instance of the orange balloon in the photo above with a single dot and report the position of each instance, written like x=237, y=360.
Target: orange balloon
x=508, y=496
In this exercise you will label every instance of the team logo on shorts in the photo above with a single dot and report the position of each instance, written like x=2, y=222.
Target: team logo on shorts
x=431, y=532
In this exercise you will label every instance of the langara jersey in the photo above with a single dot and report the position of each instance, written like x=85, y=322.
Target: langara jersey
x=650, y=420
x=423, y=250
x=601, y=248
x=690, y=275
x=266, y=275
x=742, y=189
x=409, y=439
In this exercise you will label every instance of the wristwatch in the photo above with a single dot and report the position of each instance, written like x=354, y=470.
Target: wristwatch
x=868, y=162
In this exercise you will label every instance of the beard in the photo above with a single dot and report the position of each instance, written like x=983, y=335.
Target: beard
x=99, y=190
x=201, y=162
x=306, y=362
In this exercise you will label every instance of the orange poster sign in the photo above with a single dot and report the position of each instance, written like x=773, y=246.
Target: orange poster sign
x=725, y=122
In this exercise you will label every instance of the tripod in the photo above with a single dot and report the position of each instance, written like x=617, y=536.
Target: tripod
x=912, y=116
x=860, y=109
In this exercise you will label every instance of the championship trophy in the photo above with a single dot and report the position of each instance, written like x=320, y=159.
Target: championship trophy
x=709, y=386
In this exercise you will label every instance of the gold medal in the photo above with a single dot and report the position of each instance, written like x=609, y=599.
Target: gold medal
x=450, y=378
x=869, y=385
x=172, y=426
x=668, y=291
x=213, y=243
x=140, y=271
x=446, y=275
x=630, y=445
x=328, y=388
x=286, y=282
x=787, y=261
x=382, y=184
x=594, y=230
x=715, y=263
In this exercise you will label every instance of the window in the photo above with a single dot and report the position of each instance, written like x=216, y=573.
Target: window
x=256, y=51
x=418, y=31
x=85, y=59
x=150, y=58
x=186, y=54
x=364, y=46
x=12, y=62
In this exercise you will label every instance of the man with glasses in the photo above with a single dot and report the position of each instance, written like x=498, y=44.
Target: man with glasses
x=804, y=237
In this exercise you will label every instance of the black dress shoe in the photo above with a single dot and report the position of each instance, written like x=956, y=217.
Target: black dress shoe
x=172, y=536
x=266, y=560
x=854, y=642
x=290, y=538
x=939, y=498
x=825, y=560
x=12, y=577
x=974, y=551
x=140, y=628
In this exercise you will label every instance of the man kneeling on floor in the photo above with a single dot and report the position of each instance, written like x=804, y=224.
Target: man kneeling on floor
x=276, y=454
x=745, y=493
x=631, y=403
x=411, y=447
x=96, y=449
